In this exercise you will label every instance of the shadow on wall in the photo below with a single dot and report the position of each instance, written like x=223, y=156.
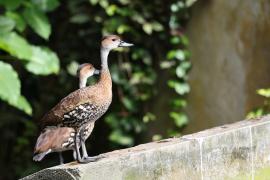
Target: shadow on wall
x=229, y=43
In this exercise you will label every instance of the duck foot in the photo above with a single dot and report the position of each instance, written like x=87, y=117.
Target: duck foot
x=91, y=159
x=61, y=159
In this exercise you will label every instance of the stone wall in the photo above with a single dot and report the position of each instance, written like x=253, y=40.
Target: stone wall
x=236, y=151
x=230, y=47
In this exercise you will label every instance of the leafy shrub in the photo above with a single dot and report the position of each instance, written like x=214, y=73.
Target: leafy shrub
x=29, y=29
x=265, y=108
x=36, y=59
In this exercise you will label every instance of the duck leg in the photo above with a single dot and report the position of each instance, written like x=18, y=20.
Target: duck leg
x=83, y=138
x=78, y=154
x=61, y=159
x=77, y=149
x=84, y=150
x=74, y=155
x=86, y=157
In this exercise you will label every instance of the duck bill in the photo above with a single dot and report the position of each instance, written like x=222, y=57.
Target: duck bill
x=125, y=44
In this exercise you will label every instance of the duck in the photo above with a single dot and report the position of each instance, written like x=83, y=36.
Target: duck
x=59, y=139
x=87, y=104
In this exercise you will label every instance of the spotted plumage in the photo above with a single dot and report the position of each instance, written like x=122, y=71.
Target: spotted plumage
x=58, y=139
x=82, y=106
x=87, y=104
x=68, y=144
x=82, y=114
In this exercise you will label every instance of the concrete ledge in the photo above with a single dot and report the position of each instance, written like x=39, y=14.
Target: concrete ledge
x=240, y=150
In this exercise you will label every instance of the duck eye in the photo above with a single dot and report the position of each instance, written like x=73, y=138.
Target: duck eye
x=113, y=39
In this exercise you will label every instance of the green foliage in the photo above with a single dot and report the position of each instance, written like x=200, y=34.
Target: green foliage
x=37, y=60
x=264, y=92
x=6, y=24
x=38, y=21
x=265, y=108
x=10, y=88
x=160, y=47
x=20, y=24
x=156, y=68
x=180, y=119
x=43, y=61
x=11, y=4
x=10, y=84
x=15, y=45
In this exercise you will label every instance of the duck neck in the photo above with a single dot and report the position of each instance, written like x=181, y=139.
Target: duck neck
x=83, y=81
x=105, y=77
x=104, y=59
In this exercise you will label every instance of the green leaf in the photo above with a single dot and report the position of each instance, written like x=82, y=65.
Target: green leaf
x=93, y=2
x=186, y=65
x=180, y=119
x=46, y=5
x=190, y=2
x=124, y=2
x=180, y=55
x=79, y=18
x=10, y=84
x=149, y=117
x=123, y=28
x=112, y=120
x=256, y=113
x=118, y=137
x=138, y=18
x=173, y=133
x=264, y=92
x=43, y=61
x=111, y=10
x=180, y=103
x=10, y=4
x=72, y=68
x=23, y=105
x=148, y=29
x=104, y=3
x=38, y=21
x=175, y=40
x=129, y=104
x=15, y=45
x=180, y=72
x=157, y=26
x=156, y=137
x=20, y=23
x=182, y=88
x=171, y=54
x=6, y=24
x=184, y=40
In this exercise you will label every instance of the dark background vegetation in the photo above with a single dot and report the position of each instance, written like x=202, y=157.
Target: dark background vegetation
x=43, y=41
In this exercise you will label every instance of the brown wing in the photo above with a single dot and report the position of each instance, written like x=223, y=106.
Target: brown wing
x=80, y=96
x=52, y=138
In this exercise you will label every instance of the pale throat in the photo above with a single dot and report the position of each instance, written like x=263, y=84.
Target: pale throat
x=104, y=52
x=83, y=81
x=105, y=76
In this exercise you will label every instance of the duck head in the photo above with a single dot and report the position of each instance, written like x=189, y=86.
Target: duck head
x=85, y=71
x=113, y=41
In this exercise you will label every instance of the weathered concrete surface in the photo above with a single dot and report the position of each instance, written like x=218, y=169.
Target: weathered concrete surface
x=229, y=43
x=240, y=150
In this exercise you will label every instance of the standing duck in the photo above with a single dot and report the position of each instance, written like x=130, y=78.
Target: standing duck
x=87, y=104
x=58, y=139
